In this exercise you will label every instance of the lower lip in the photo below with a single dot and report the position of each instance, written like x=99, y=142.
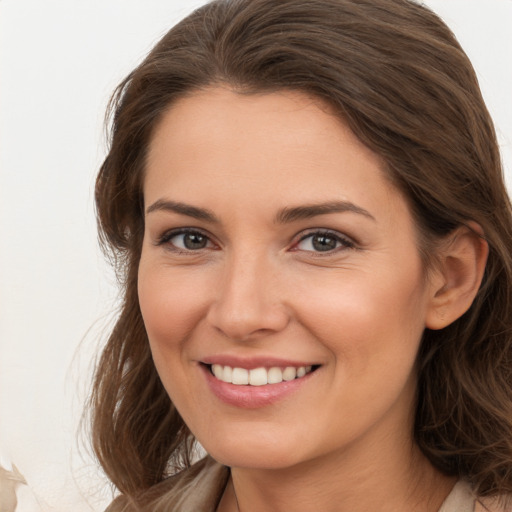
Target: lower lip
x=252, y=397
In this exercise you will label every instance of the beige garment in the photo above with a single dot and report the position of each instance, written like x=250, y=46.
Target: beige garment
x=9, y=480
x=460, y=499
x=197, y=489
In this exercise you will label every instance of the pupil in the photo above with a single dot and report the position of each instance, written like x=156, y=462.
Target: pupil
x=194, y=241
x=324, y=243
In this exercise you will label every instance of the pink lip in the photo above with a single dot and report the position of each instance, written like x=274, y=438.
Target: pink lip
x=253, y=397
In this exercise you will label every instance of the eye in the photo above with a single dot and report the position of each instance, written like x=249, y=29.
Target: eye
x=186, y=240
x=323, y=241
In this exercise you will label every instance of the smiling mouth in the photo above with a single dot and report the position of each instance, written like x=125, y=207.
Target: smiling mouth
x=259, y=376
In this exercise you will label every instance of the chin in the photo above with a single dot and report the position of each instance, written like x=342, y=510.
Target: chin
x=236, y=451
x=252, y=459
x=255, y=454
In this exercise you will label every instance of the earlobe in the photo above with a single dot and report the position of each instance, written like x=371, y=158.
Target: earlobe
x=461, y=266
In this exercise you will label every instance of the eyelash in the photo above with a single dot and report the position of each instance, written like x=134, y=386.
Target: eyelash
x=166, y=238
x=345, y=242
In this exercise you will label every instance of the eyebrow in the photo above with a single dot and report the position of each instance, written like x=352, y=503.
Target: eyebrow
x=284, y=216
x=293, y=214
x=183, y=209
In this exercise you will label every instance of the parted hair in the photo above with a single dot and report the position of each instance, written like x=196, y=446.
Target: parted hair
x=396, y=75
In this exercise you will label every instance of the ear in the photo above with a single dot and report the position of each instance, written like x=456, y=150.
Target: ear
x=457, y=278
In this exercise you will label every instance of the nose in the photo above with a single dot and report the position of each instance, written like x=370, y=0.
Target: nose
x=249, y=301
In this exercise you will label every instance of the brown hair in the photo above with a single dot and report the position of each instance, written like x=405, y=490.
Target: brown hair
x=396, y=74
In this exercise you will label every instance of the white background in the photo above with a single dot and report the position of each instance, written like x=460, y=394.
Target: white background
x=59, y=62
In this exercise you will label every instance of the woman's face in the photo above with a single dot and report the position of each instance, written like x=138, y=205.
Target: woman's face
x=275, y=250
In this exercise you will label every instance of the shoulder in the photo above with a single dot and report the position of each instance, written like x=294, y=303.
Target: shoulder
x=199, y=487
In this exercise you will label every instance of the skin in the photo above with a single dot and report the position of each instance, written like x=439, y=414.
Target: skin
x=343, y=440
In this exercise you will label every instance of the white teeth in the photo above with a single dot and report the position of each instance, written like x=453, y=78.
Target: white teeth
x=217, y=371
x=275, y=376
x=258, y=376
x=289, y=373
x=228, y=374
x=240, y=376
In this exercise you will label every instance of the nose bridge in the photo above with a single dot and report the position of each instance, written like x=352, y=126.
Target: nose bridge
x=248, y=302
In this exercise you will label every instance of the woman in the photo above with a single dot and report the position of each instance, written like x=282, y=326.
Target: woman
x=305, y=204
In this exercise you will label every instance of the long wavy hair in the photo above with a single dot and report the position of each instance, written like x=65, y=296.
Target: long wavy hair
x=397, y=76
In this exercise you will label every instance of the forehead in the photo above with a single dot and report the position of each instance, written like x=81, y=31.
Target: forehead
x=278, y=147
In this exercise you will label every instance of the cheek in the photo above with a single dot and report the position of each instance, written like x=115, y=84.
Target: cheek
x=367, y=319
x=372, y=331
x=171, y=307
x=171, y=303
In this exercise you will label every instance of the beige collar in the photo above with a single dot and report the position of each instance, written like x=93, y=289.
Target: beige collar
x=460, y=499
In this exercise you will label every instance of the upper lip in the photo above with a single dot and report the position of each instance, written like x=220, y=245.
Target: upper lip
x=250, y=363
